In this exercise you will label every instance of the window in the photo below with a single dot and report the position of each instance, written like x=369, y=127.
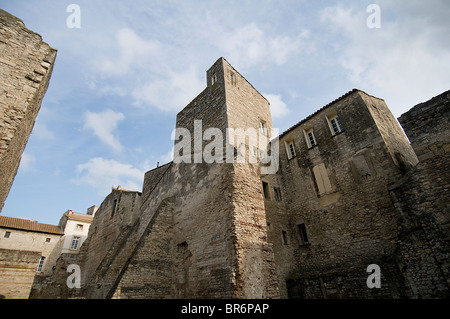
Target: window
x=269, y=226
x=48, y=239
x=7, y=234
x=309, y=136
x=79, y=227
x=334, y=123
x=214, y=79
x=233, y=78
x=284, y=236
x=322, y=180
x=266, y=190
x=290, y=150
x=277, y=192
x=40, y=264
x=75, y=242
x=114, y=208
x=263, y=127
x=302, y=233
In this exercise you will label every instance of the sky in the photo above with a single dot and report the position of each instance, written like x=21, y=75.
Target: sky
x=124, y=69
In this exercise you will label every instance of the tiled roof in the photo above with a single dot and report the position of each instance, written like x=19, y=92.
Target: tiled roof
x=319, y=110
x=29, y=225
x=79, y=217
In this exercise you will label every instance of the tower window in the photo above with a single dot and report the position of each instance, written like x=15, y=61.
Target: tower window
x=266, y=190
x=263, y=127
x=233, y=78
x=214, y=78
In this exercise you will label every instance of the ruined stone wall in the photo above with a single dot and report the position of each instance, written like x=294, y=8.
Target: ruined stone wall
x=421, y=198
x=338, y=190
x=17, y=270
x=26, y=64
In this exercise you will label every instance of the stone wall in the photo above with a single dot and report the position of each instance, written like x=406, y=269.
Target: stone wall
x=17, y=270
x=26, y=64
x=337, y=189
x=421, y=198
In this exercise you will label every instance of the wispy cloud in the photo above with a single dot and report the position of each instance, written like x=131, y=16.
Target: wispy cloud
x=249, y=45
x=102, y=174
x=402, y=60
x=103, y=125
x=278, y=108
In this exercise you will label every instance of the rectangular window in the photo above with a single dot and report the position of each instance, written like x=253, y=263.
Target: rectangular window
x=48, y=239
x=334, y=123
x=263, y=127
x=290, y=150
x=7, y=234
x=75, y=242
x=322, y=180
x=310, y=138
x=266, y=190
x=233, y=78
x=277, y=192
x=284, y=236
x=302, y=233
x=40, y=264
x=79, y=227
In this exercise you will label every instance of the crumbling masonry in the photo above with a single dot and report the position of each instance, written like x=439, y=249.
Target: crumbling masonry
x=26, y=64
x=350, y=191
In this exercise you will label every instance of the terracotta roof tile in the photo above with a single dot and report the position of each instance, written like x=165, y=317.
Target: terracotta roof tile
x=29, y=225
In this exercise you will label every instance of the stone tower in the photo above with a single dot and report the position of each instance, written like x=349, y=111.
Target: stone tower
x=26, y=64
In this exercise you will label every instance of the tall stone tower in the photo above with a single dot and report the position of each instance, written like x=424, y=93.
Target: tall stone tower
x=26, y=64
x=220, y=218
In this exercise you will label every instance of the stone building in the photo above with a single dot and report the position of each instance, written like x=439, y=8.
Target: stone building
x=26, y=248
x=26, y=64
x=348, y=191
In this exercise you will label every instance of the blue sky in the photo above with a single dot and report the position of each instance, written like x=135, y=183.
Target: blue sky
x=120, y=79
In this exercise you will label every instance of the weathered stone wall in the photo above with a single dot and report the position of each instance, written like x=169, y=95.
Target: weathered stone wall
x=17, y=270
x=338, y=190
x=422, y=199
x=26, y=64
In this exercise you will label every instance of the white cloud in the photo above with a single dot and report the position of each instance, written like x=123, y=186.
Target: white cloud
x=26, y=162
x=249, y=45
x=277, y=107
x=171, y=92
x=404, y=61
x=42, y=132
x=103, y=125
x=132, y=51
x=102, y=174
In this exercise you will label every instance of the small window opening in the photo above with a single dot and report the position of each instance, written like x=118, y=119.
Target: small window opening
x=41, y=264
x=302, y=233
x=277, y=192
x=7, y=234
x=284, y=236
x=266, y=190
